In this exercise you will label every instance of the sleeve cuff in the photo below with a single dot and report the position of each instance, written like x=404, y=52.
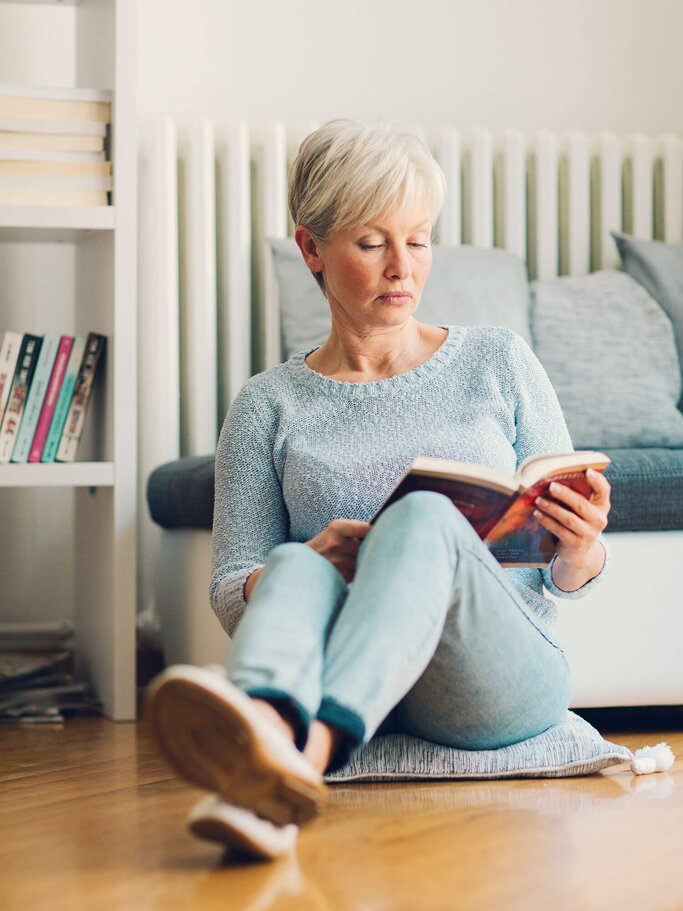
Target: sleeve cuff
x=227, y=598
x=546, y=574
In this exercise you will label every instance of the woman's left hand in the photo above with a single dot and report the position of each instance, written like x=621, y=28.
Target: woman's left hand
x=577, y=520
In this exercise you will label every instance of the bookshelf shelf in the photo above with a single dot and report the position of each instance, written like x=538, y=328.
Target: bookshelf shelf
x=73, y=270
x=74, y=474
x=54, y=223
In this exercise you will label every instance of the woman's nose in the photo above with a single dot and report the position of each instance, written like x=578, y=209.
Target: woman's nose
x=399, y=263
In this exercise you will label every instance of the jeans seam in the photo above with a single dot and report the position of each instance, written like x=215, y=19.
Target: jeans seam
x=488, y=569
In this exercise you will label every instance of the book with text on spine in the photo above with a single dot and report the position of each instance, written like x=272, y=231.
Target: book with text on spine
x=499, y=506
x=35, y=399
x=73, y=428
x=66, y=391
x=23, y=377
x=9, y=354
x=51, y=396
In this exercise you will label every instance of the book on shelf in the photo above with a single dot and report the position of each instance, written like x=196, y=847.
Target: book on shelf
x=21, y=382
x=35, y=399
x=9, y=354
x=55, y=103
x=32, y=125
x=18, y=168
x=61, y=362
x=73, y=428
x=32, y=197
x=65, y=142
x=52, y=182
x=64, y=400
x=499, y=506
x=48, y=155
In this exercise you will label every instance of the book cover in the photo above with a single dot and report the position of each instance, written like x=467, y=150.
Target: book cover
x=64, y=400
x=73, y=428
x=23, y=377
x=59, y=370
x=499, y=507
x=46, y=108
x=9, y=354
x=35, y=399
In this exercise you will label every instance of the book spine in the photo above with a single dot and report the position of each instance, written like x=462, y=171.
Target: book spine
x=64, y=400
x=23, y=376
x=73, y=428
x=35, y=399
x=54, y=386
x=9, y=355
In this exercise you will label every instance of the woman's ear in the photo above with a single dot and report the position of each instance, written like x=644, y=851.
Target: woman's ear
x=309, y=248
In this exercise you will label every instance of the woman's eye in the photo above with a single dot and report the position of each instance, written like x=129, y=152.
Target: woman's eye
x=422, y=246
x=371, y=246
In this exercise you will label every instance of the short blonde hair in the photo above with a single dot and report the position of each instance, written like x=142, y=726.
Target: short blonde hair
x=348, y=173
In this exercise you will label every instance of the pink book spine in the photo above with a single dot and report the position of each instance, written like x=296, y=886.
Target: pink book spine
x=55, y=384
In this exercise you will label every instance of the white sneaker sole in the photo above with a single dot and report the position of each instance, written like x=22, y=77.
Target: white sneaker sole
x=212, y=735
x=216, y=820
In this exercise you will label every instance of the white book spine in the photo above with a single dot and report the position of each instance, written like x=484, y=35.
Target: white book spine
x=49, y=155
x=9, y=353
x=61, y=93
x=53, y=182
x=31, y=125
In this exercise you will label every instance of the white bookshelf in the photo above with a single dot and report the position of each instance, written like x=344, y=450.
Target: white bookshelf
x=74, y=270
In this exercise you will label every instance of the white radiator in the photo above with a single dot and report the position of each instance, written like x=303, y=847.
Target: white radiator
x=210, y=194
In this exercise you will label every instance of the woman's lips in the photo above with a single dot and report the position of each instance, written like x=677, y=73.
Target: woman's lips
x=395, y=298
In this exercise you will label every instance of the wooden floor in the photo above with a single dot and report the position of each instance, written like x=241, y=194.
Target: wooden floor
x=92, y=819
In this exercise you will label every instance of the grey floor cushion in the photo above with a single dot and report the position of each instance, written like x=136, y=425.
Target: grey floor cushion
x=574, y=747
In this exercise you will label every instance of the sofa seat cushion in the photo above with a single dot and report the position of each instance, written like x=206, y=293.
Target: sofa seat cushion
x=647, y=491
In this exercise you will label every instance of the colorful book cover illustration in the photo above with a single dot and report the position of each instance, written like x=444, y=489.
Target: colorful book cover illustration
x=73, y=427
x=23, y=377
x=54, y=386
x=36, y=397
x=64, y=400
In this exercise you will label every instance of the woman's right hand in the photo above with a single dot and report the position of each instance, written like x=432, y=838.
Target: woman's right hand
x=339, y=543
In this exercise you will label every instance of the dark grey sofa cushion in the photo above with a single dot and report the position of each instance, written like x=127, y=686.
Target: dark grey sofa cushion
x=647, y=491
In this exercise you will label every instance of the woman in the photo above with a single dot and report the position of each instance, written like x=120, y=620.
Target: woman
x=340, y=631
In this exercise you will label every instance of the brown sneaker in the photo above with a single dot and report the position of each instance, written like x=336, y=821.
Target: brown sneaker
x=216, y=820
x=211, y=733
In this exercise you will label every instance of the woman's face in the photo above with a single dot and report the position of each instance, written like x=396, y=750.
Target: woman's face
x=374, y=274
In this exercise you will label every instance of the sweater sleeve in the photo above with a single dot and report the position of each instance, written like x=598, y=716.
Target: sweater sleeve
x=250, y=516
x=541, y=428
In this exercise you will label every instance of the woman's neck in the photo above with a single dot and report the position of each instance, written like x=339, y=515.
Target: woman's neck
x=353, y=358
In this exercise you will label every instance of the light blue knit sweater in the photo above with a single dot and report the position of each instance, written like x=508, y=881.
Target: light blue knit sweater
x=298, y=449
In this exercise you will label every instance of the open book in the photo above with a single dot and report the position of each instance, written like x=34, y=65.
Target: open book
x=499, y=507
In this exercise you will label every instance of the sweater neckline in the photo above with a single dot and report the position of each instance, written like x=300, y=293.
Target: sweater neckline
x=360, y=389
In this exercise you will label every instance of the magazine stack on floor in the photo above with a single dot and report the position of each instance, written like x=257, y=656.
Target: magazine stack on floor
x=37, y=680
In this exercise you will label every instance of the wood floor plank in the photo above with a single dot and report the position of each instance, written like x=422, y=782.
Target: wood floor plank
x=93, y=819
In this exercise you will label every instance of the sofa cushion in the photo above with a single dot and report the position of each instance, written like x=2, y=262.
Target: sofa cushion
x=647, y=491
x=467, y=286
x=180, y=493
x=609, y=350
x=659, y=268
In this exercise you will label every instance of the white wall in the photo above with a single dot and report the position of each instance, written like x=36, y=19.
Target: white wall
x=560, y=64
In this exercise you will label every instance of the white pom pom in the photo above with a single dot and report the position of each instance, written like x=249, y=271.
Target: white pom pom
x=652, y=759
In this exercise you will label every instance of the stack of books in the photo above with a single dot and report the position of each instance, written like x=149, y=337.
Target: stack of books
x=39, y=687
x=54, y=146
x=46, y=384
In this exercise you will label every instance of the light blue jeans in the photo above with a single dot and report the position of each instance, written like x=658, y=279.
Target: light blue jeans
x=430, y=639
